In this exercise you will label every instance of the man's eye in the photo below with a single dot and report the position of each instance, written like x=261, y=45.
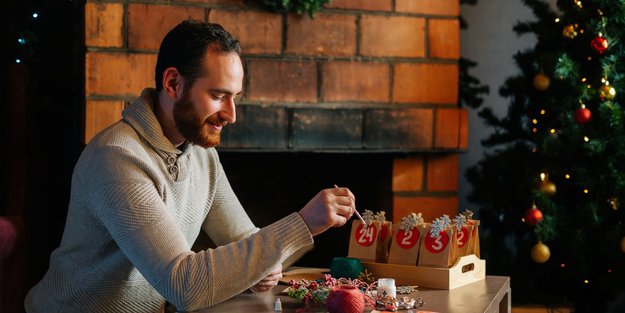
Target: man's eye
x=217, y=97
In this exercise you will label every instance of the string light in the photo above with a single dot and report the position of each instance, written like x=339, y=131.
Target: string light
x=562, y=265
x=586, y=281
x=553, y=131
x=35, y=14
x=583, y=79
x=567, y=176
x=586, y=139
x=543, y=176
x=579, y=4
x=557, y=20
x=542, y=112
x=586, y=190
x=534, y=121
x=534, y=130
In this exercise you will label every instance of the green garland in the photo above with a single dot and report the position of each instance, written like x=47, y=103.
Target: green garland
x=299, y=6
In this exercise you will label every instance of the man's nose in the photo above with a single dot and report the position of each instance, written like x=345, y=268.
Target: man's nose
x=229, y=112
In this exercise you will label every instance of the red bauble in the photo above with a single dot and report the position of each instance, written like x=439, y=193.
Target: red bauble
x=582, y=115
x=533, y=216
x=599, y=44
x=8, y=236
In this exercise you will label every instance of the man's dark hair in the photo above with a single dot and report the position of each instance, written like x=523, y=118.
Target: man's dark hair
x=185, y=46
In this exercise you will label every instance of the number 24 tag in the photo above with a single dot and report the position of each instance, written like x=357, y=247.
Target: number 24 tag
x=365, y=236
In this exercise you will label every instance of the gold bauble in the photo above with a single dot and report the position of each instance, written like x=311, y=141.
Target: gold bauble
x=541, y=81
x=547, y=187
x=540, y=253
x=623, y=244
x=607, y=92
x=569, y=32
x=614, y=203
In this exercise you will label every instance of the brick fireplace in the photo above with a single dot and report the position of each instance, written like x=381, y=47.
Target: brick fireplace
x=364, y=95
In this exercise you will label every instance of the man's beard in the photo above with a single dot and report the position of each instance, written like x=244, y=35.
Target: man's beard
x=191, y=125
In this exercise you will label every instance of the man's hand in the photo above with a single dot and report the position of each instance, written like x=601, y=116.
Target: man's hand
x=329, y=208
x=268, y=282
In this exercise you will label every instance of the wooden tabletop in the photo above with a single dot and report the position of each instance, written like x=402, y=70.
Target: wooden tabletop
x=489, y=295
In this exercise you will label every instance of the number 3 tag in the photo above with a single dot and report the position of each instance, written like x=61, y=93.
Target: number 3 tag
x=407, y=239
x=438, y=244
x=366, y=236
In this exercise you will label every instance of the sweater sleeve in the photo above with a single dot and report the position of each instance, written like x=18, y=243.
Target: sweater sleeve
x=135, y=215
x=226, y=221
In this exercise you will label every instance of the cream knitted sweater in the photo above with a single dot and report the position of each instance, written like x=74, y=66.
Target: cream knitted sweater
x=137, y=205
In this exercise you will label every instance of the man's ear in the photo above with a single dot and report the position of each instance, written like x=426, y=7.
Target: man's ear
x=172, y=82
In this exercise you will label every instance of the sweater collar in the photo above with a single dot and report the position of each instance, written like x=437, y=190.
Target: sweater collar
x=140, y=116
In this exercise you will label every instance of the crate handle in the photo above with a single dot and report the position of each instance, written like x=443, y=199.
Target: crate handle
x=467, y=268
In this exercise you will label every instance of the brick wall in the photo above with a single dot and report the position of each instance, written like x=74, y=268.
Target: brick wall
x=362, y=76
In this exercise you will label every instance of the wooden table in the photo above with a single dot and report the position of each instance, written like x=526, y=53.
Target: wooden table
x=489, y=296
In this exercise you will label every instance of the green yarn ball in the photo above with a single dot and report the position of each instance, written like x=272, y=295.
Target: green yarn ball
x=346, y=267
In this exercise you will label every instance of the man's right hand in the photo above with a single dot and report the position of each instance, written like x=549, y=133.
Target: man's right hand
x=331, y=207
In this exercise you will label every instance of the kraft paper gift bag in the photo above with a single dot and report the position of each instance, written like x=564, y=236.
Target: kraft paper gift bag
x=474, y=240
x=439, y=247
x=364, y=240
x=473, y=243
x=406, y=240
x=464, y=233
x=385, y=234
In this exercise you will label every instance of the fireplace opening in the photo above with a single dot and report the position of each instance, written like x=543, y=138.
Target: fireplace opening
x=271, y=185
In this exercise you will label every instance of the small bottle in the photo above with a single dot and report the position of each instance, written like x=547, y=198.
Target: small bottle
x=277, y=306
x=386, y=287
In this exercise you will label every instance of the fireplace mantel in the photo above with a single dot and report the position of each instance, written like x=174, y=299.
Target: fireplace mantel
x=280, y=128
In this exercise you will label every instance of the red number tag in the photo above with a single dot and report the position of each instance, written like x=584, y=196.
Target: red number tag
x=474, y=228
x=463, y=236
x=437, y=244
x=407, y=239
x=383, y=231
x=366, y=236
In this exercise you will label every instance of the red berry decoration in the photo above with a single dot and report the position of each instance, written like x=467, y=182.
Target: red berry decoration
x=599, y=44
x=582, y=115
x=533, y=215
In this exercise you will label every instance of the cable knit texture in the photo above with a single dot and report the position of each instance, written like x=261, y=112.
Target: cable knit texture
x=137, y=205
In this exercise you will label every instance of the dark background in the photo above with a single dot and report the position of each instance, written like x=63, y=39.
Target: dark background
x=41, y=129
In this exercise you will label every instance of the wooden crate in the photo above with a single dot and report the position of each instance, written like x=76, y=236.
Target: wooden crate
x=467, y=269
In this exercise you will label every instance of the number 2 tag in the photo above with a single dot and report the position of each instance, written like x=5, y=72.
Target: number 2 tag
x=366, y=236
x=407, y=239
x=437, y=244
x=463, y=236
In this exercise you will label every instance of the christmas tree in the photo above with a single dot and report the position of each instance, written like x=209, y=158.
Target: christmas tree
x=551, y=189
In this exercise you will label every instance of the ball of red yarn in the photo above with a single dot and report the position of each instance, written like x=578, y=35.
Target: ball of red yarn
x=345, y=299
x=8, y=236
